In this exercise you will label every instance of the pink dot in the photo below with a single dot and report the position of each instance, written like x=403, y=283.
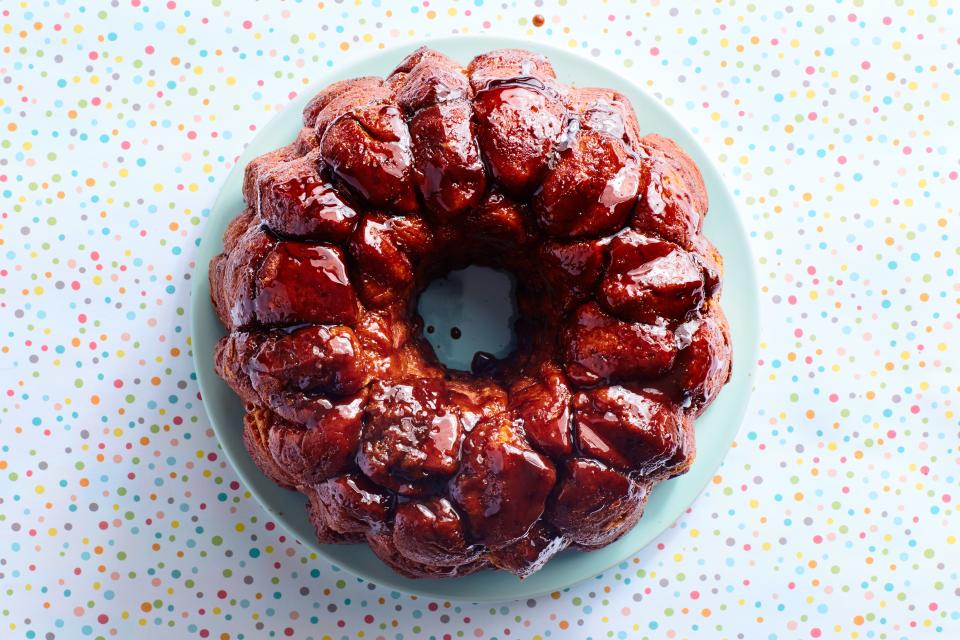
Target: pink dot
x=907, y=151
x=812, y=115
x=865, y=64
x=810, y=71
x=946, y=498
x=953, y=175
x=149, y=49
x=93, y=55
x=171, y=5
x=834, y=397
x=815, y=632
x=118, y=383
x=888, y=21
x=654, y=51
x=914, y=409
x=247, y=24
x=852, y=17
x=842, y=159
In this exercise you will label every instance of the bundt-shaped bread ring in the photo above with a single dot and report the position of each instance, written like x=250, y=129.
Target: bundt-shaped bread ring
x=621, y=341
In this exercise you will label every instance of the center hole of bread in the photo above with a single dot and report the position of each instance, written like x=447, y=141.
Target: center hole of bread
x=469, y=312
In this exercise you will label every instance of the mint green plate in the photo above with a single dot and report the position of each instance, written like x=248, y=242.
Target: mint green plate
x=715, y=429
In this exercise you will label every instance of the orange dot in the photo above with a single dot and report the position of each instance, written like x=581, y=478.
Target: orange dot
x=94, y=399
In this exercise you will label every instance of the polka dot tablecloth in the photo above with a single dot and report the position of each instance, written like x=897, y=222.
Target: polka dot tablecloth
x=833, y=516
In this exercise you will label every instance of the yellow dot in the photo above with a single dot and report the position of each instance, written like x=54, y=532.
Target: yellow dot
x=158, y=187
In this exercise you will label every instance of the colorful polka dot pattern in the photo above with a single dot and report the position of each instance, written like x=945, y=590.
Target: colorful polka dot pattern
x=833, y=516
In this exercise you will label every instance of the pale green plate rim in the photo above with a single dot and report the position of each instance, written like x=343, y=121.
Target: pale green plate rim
x=716, y=429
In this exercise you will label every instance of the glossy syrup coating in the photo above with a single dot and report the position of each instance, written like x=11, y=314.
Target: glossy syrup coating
x=621, y=340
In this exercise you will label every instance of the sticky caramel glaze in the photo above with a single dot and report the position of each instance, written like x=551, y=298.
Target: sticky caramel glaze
x=621, y=340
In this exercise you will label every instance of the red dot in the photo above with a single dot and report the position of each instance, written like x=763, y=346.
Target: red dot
x=288, y=632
